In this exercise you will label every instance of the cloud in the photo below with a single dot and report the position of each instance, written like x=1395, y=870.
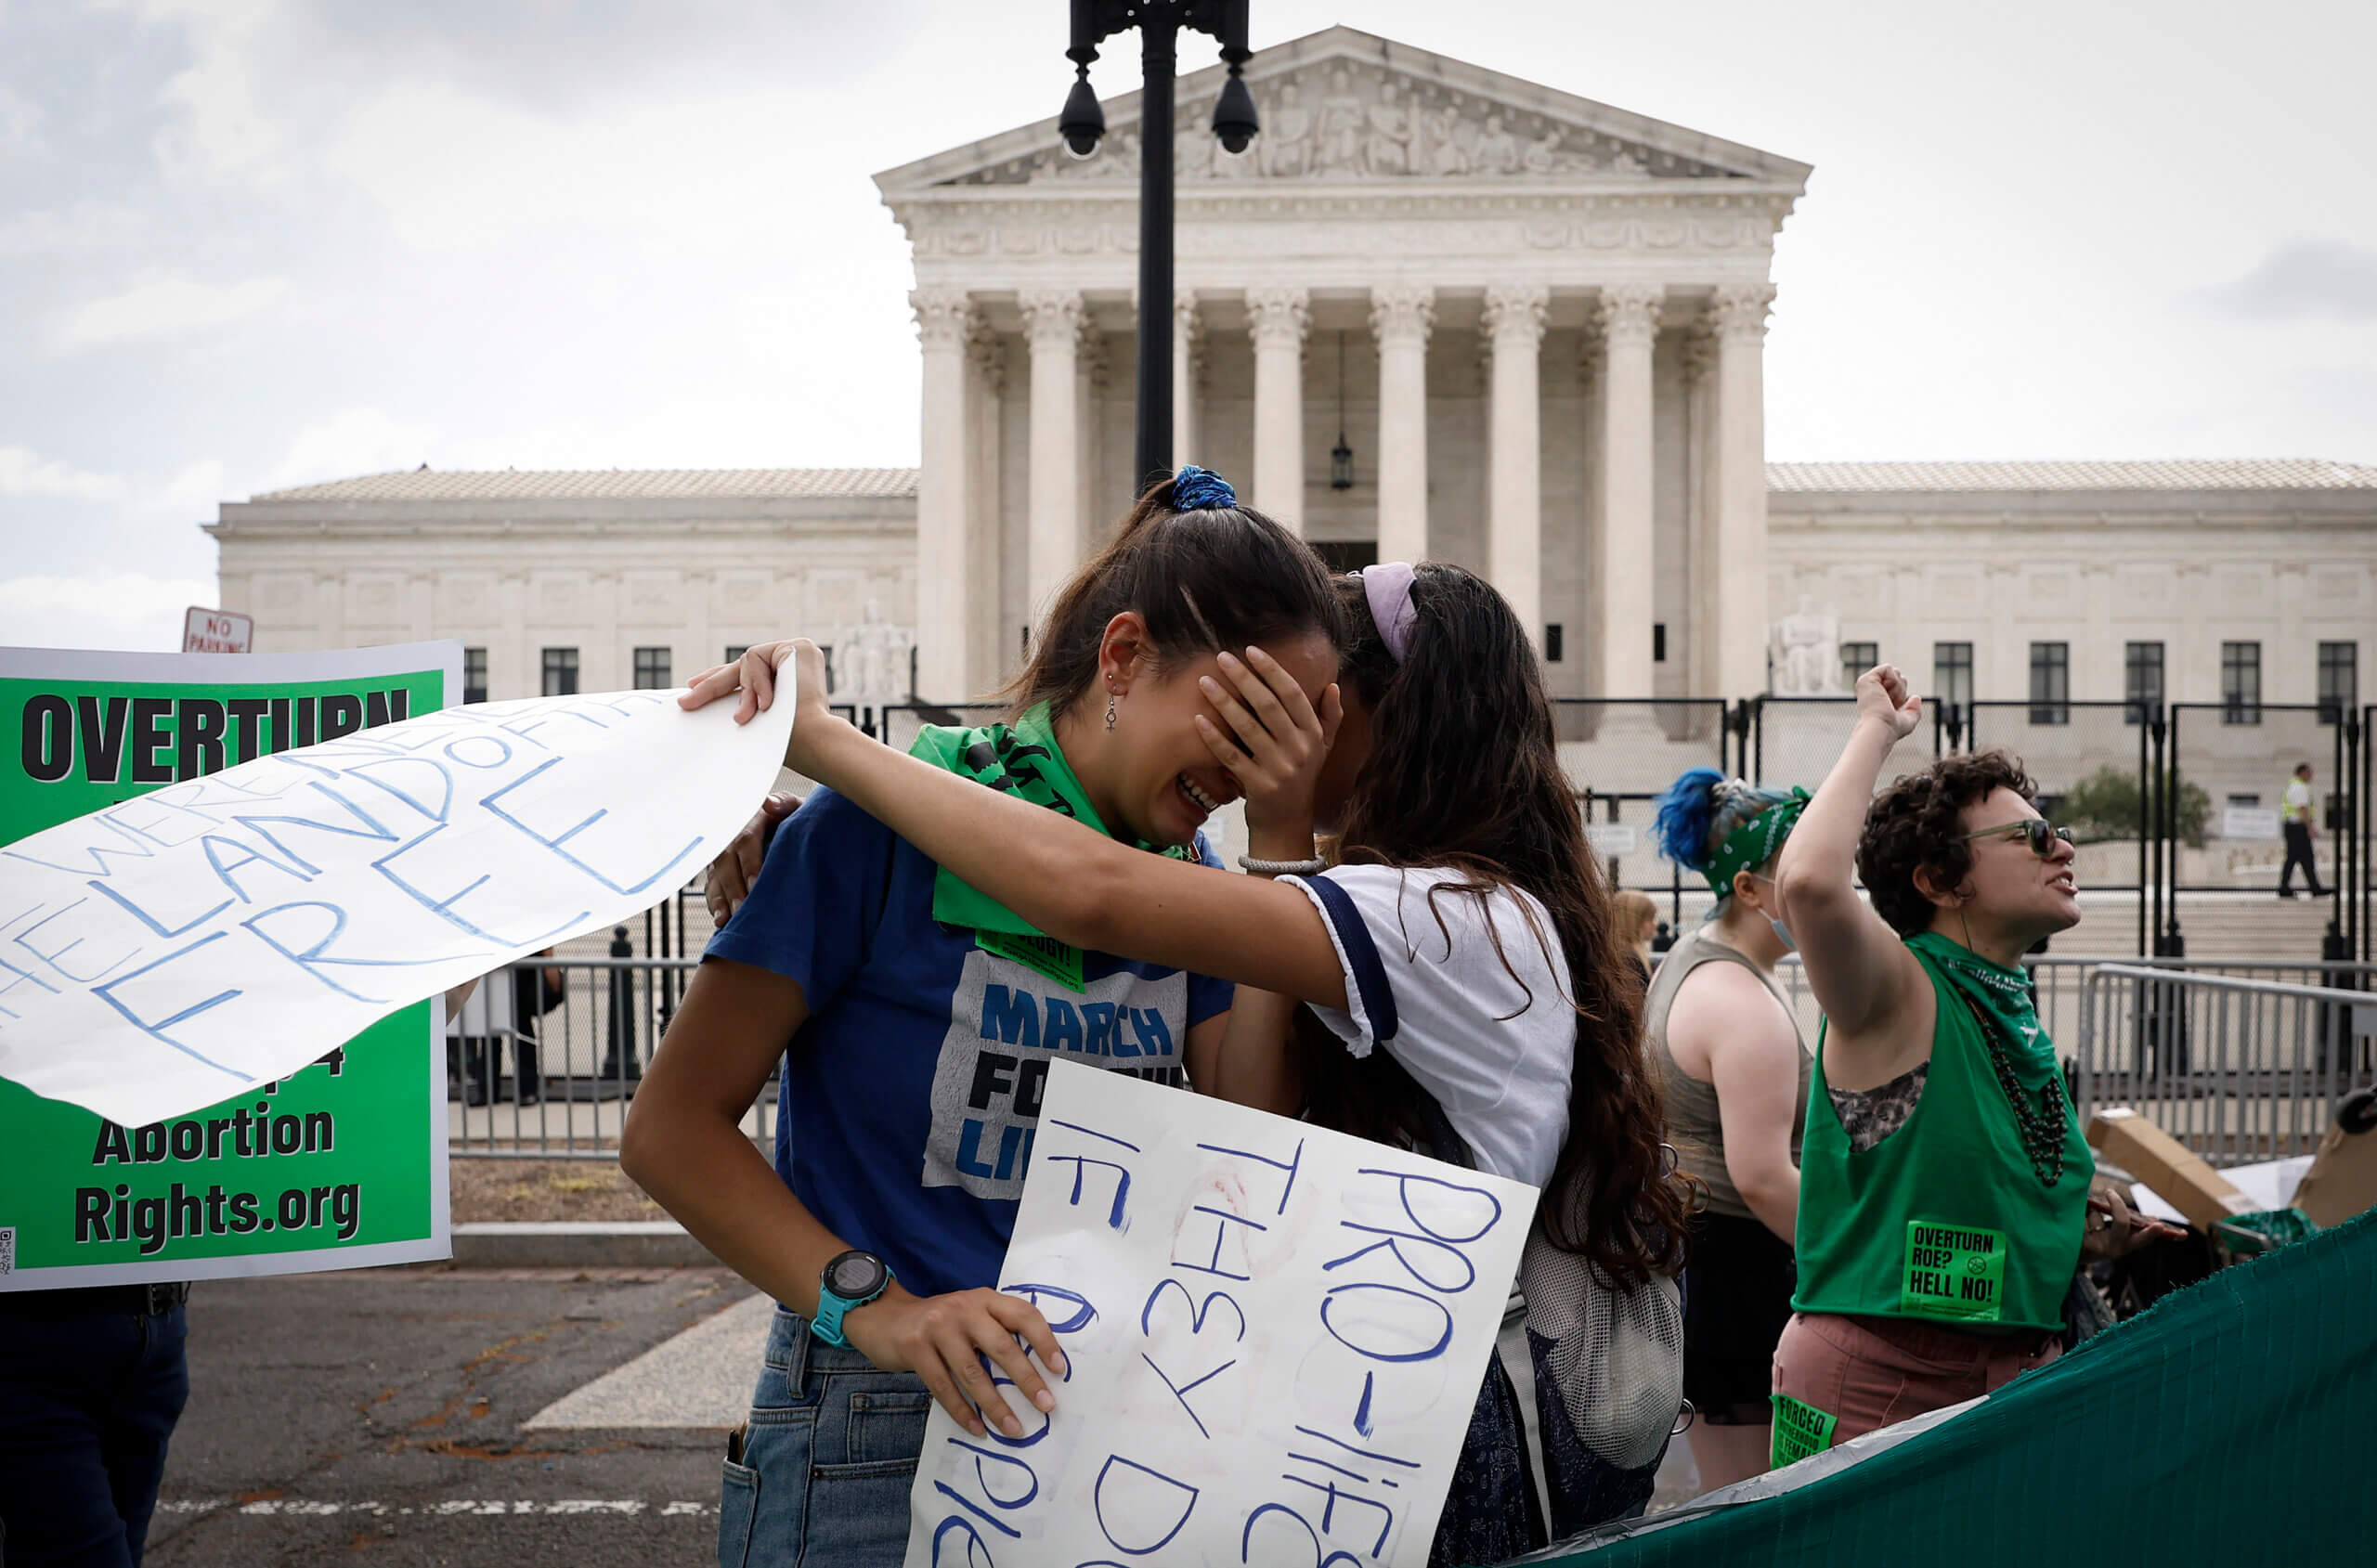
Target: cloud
x=113, y=609
x=86, y=227
x=352, y=442
x=165, y=307
x=24, y=472
x=19, y=125
x=2307, y=280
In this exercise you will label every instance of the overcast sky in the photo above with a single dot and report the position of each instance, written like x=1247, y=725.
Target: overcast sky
x=253, y=243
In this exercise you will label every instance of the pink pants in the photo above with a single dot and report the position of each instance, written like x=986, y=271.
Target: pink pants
x=1869, y=1372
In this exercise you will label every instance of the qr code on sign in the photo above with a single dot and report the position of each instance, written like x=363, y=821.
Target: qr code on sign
x=7, y=1248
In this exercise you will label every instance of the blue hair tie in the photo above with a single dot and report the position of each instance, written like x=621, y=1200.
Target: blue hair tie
x=1200, y=489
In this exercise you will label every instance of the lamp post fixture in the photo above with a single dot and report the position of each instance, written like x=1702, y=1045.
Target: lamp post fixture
x=1082, y=123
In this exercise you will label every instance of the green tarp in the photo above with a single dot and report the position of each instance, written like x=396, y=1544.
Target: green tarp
x=2234, y=1423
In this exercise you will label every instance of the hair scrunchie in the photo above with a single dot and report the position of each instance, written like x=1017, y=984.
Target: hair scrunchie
x=1200, y=489
x=1387, y=586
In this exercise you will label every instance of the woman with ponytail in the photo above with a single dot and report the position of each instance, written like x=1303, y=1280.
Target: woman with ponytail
x=1736, y=1075
x=868, y=962
x=1453, y=982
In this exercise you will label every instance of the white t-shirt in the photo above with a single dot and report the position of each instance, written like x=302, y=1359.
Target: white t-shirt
x=2298, y=802
x=1495, y=1044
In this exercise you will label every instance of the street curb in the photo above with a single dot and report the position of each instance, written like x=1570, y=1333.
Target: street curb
x=578, y=1244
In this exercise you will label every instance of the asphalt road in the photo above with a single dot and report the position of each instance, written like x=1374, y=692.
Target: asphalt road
x=374, y=1417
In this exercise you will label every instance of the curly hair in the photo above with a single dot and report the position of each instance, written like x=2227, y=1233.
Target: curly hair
x=1918, y=822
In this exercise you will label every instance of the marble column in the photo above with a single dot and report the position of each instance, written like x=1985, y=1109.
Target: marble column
x=1513, y=325
x=1401, y=316
x=1693, y=646
x=944, y=534
x=1052, y=320
x=992, y=642
x=1623, y=579
x=1097, y=508
x=1188, y=353
x=1276, y=318
x=1739, y=537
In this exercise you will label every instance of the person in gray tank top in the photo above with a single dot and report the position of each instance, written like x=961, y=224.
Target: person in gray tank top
x=1737, y=1078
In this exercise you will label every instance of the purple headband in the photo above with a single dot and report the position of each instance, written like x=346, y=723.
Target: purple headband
x=1387, y=585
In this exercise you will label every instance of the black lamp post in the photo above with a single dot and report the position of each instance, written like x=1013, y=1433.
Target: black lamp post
x=1083, y=123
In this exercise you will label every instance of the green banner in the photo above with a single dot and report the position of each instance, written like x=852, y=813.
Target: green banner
x=341, y=1165
x=2227, y=1424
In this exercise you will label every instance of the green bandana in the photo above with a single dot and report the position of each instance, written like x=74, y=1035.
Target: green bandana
x=2022, y=1054
x=1024, y=760
x=1754, y=842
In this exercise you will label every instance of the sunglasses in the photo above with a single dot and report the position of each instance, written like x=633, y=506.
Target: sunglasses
x=2041, y=834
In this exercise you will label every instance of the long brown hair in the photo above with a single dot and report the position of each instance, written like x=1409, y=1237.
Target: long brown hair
x=1463, y=772
x=1205, y=580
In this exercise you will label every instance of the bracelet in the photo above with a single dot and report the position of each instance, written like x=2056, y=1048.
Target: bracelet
x=1312, y=867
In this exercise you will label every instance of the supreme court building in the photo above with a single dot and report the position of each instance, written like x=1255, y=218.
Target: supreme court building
x=1537, y=321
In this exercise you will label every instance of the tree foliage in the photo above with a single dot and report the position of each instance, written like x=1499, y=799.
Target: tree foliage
x=2106, y=805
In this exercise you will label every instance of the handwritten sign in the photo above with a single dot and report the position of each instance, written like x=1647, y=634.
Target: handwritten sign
x=1276, y=1335
x=167, y=951
x=338, y=1166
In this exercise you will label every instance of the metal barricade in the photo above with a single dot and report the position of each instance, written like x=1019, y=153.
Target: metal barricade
x=556, y=1085
x=2238, y=1070
x=2061, y=987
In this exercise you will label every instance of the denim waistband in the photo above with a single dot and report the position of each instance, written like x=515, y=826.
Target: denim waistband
x=798, y=1352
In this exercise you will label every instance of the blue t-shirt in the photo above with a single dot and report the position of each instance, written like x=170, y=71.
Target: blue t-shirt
x=911, y=1095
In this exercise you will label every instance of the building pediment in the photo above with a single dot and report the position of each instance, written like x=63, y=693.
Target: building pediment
x=1346, y=107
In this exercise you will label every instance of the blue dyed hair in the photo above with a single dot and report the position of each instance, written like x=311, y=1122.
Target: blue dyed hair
x=1700, y=808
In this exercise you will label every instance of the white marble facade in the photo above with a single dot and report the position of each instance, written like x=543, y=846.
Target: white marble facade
x=596, y=565
x=1550, y=314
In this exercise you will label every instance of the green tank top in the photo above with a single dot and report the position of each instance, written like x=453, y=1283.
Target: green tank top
x=1950, y=1219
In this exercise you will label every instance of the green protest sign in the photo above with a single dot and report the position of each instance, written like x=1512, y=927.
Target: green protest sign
x=340, y=1165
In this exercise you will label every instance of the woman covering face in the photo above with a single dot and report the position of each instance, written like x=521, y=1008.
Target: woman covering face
x=1455, y=983
x=916, y=1009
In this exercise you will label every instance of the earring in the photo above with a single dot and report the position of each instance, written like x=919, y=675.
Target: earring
x=1109, y=710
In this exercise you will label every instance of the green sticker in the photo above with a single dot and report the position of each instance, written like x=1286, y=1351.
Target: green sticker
x=1043, y=955
x=1800, y=1430
x=1953, y=1271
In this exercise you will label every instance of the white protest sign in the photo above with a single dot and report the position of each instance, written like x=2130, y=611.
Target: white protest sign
x=167, y=951
x=1276, y=1335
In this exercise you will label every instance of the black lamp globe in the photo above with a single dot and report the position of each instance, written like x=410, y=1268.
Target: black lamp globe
x=1082, y=123
x=1234, y=119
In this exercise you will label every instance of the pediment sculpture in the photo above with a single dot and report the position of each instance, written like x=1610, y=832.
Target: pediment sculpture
x=1340, y=121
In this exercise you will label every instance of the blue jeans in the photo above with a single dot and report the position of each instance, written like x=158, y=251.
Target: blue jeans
x=87, y=1404
x=827, y=1460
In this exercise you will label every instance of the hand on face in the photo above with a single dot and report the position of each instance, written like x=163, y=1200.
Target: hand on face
x=1884, y=694
x=1270, y=739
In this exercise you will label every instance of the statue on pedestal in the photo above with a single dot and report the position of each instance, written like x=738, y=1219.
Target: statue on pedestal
x=871, y=661
x=1805, y=652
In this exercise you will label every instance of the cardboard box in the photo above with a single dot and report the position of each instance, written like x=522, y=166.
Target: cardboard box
x=2342, y=1181
x=2162, y=1163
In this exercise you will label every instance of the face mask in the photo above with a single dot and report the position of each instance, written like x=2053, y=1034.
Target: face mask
x=1781, y=932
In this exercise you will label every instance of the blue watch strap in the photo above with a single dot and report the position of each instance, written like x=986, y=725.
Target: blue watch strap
x=832, y=1308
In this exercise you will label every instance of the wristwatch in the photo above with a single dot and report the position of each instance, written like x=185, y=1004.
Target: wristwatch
x=850, y=1281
